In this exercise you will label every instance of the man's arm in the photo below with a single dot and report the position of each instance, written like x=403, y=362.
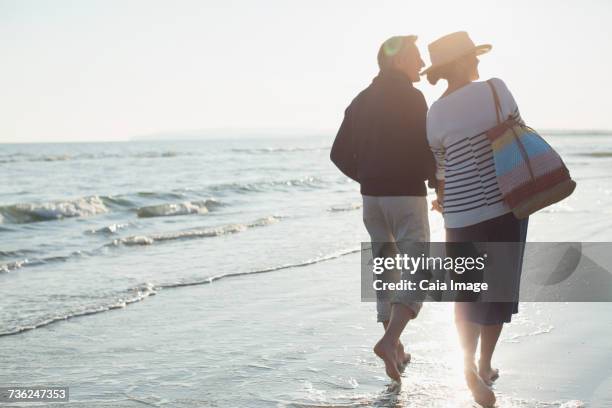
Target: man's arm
x=343, y=152
x=428, y=162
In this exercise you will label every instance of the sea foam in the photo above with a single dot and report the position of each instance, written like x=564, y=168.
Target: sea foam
x=52, y=210
x=194, y=233
x=172, y=209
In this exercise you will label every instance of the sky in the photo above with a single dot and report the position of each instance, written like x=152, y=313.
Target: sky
x=86, y=70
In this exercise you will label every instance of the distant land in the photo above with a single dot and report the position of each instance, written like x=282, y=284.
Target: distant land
x=281, y=133
x=231, y=134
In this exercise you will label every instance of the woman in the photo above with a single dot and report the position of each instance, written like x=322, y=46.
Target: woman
x=468, y=195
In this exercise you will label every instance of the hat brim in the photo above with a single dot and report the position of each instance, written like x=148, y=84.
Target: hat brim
x=480, y=49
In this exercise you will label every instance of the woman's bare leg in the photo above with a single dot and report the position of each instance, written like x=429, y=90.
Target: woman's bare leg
x=489, y=335
x=468, y=336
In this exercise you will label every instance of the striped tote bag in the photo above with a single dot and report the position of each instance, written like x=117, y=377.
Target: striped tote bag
x=530, y=173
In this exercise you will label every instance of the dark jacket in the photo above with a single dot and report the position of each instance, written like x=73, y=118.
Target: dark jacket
x=382, y=142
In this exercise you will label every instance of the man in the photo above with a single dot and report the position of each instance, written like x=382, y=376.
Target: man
x=382, y=145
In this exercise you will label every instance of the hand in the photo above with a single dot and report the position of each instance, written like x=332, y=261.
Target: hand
x=436, y=206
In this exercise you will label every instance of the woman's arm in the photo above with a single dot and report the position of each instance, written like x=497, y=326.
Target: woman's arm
x=439, y=153
x=436, y=205
x=509, y=105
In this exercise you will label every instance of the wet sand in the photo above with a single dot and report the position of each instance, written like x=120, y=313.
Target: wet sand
x=302, y=338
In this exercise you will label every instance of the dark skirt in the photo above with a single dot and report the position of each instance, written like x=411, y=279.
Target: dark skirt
x=505, y=228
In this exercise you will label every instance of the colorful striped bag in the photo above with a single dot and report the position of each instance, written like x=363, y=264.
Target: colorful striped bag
x=530, y=173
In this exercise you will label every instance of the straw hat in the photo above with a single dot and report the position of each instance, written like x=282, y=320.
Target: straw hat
x=452, y=47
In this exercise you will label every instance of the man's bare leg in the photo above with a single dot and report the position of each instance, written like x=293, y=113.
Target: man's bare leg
x=387, y=346
x=403, y=358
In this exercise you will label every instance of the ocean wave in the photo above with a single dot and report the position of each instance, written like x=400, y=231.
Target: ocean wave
x=16, y=253
x=143, y=291
x=280, y=149
x=599, y=155
x=262, y=186
x=347, y=207
x=136, y=240
x=11, y=266
x=193, y=234
x=121, y=301
x=212, y=279
x=109, y=229
x=94, y=205
x=154, y=155
x=21, y=263
x=172, y=209
x=99, y=204
x=41, y=158
x=52, y=210
x=537, y=332
x=570, y=404
x=18, y=157
x=161, y=194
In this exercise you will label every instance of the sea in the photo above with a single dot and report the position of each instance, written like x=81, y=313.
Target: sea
x=89, y=228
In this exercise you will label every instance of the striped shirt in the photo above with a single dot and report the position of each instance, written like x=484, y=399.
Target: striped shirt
x=456, y=132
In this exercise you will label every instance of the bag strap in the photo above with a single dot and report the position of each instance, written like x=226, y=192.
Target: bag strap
x=498, y=109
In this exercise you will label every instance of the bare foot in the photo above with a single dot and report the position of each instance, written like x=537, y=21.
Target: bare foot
x=488, y=374
x=388, y=353
x=482, y=394
x=403, y=358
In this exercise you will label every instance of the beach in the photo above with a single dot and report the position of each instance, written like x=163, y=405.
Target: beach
x=226, y=274
x=302, y=341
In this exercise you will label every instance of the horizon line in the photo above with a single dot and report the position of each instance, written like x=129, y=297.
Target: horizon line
x=205, y=134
